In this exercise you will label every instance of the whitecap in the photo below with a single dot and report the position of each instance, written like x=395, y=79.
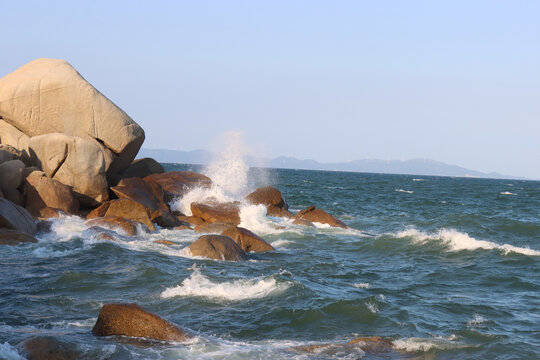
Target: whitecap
x=372, y=307
x=418, y=179
x=280, y=244
x=364, y=285
x=507, y=193
x=476, y=320
x=405, y=191
x=9, y=352
x=243, y=289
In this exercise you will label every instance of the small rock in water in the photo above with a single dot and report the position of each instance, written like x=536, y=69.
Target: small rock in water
x=217, y=247
x=214, y=212
x=247, y=240
x=313, y=214
x=48, y=348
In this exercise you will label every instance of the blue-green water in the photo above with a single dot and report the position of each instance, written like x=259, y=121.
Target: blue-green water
x=446, y=268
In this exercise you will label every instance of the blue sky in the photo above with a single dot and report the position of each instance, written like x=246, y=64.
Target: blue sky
x=455, y=81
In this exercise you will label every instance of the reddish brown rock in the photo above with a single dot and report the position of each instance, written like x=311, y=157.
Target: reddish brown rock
x=132, y=320
x=191, y=220
x=247, y=240
x=100, y=211
x=178, y=183
x=183, y=227
x=303, y=222
x=164, y=242
x=273, y=200
x=313, y=214
x=49, y=348
x=14, y=237
x=47, y=213
x=217, y=247
x=213, y=212
x=16, y=217
x=215, y=228
x=372, y=344
x=42, y=192
x=143, y=167
x=131, y=210
x=113, y=223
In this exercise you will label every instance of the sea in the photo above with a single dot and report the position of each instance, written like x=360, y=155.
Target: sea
x=444, y=268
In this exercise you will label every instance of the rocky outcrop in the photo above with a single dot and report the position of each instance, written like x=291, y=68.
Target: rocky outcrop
x=143, y=167
x=10, y=135
x=49, y=96
x=373, y=344
x=8, y=152
x=313, y=214
x=15, y=217
x=73, y=161
x=178, y=183
x=273, y=200
x=214, y=212
x=48, y=348
x=132, y=320
x=248, y=241
x=14, y=237
x=43, y=192
x=113, y=223
x=217, y=247
x=11, y=174
x=211, y=228
x=129, y=209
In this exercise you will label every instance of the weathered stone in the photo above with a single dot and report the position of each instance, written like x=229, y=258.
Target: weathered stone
x=191, y=220
x=100, y=211
x=131, y=210
x=373, y=345
x=8, y=152
x=165, y=242
x=215, y=228
x=10, y=135
x=217, y=247
x=178, y=183
x=113, y=223
x=74, y=162
x=248, y=241
x=11, y=174
x=47, y=96
x=49, y=348
x=16, y=217
x=303, y=222
x=273, y=200
x=320, y=216
x=143, y=167
x=14, y=237
x=42, y=192
x=48, y=212
x=132, y=320
x=14, y=196
x=212, y=212
x=183, y=227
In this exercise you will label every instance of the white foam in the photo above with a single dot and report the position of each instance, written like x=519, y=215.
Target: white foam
x=372, y=307
x=199, y=285
x=507, y=193
x=253, y=217
x=280, y=244
x=8, y=352
x=476, y=320
x=214, y=193
x=419, y=344
x=418, y=179
x=405, y=191
x=362, y=285
x=457, y=241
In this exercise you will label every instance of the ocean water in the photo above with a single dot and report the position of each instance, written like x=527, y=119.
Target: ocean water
x=445, y=268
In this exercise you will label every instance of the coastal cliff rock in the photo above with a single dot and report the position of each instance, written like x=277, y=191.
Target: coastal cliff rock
x=14, y=237
x=131, y=210
x=214, y=212
x=313, y=214
x=132, y=320
x=247, y=240
x=15, y=217
x=178, y=183
x=217, y=247
x=49, y=96
x=273, y=200
x=43, y=192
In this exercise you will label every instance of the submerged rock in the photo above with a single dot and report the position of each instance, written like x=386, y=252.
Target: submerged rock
x=48, y=348
x=247, y=240
x=273, y=200
x=132, y=320
x=372, y=344
x=214, y=212
x=14, y=237
x=217, y=247
x=313, y=214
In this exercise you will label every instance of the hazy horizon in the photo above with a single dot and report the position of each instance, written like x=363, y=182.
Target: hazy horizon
x=454, y=81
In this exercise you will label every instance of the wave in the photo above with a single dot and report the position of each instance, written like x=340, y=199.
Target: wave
x=458, y=241
x=418, y=179
x=424, y=345
x=8, y=352
x=361, y=285
x=477, y=320
x=507, y=193
x=199, y=285
x=405, y=191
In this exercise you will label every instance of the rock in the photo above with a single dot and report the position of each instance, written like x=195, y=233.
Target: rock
x=215, y=228
x=131, y=210
x=113, y=223
x=44, y=226
x=373, y=344
x=214, y=212
x=1, y=193
x=74, y=162
x=191, y=220
x=136, y=189
x=10, y=135
x=14, y=196
x=8, y=152
x=14, y=237
x=183, y=227
x=303, y=222
x=312, y=214
x=178, y=183
x=217, y=247
x=271, y=198
x=132, y=320
x=143, y=167
x=42, y=192
x=100, y=211
x=48, y=348
x=247, y=240
x=165, y=242
x=11, y=174
x=48, y=96
x=16, y=217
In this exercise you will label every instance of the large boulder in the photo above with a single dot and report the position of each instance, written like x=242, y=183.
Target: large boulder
x=11, y=174
x=217, y=247
x=131, y=210
x=313, y=214
x=73, y=161
x=273, y=200
x=10, y=135
x=49, y=96
x=14, y=196
x=178, y=183
x=143, y=167
x=211, y=228
x=16, y=217
x=14, y=237
x=42, y=192
x=129, y=227
x=132, y=320
x=8, y=152
x=215, y=212
x=136, y=189
x=247, y=240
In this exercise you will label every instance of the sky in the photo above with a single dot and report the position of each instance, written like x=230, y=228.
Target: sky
x=453, y=81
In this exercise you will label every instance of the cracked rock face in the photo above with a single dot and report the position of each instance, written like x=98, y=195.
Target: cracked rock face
x=49, y=96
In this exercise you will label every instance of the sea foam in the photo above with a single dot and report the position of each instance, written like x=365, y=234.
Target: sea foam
x=419, y=344
x=8, y=352
x=457, y=241
x=199, y=285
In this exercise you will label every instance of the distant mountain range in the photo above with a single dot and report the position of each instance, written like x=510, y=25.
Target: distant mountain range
x=412, y=167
